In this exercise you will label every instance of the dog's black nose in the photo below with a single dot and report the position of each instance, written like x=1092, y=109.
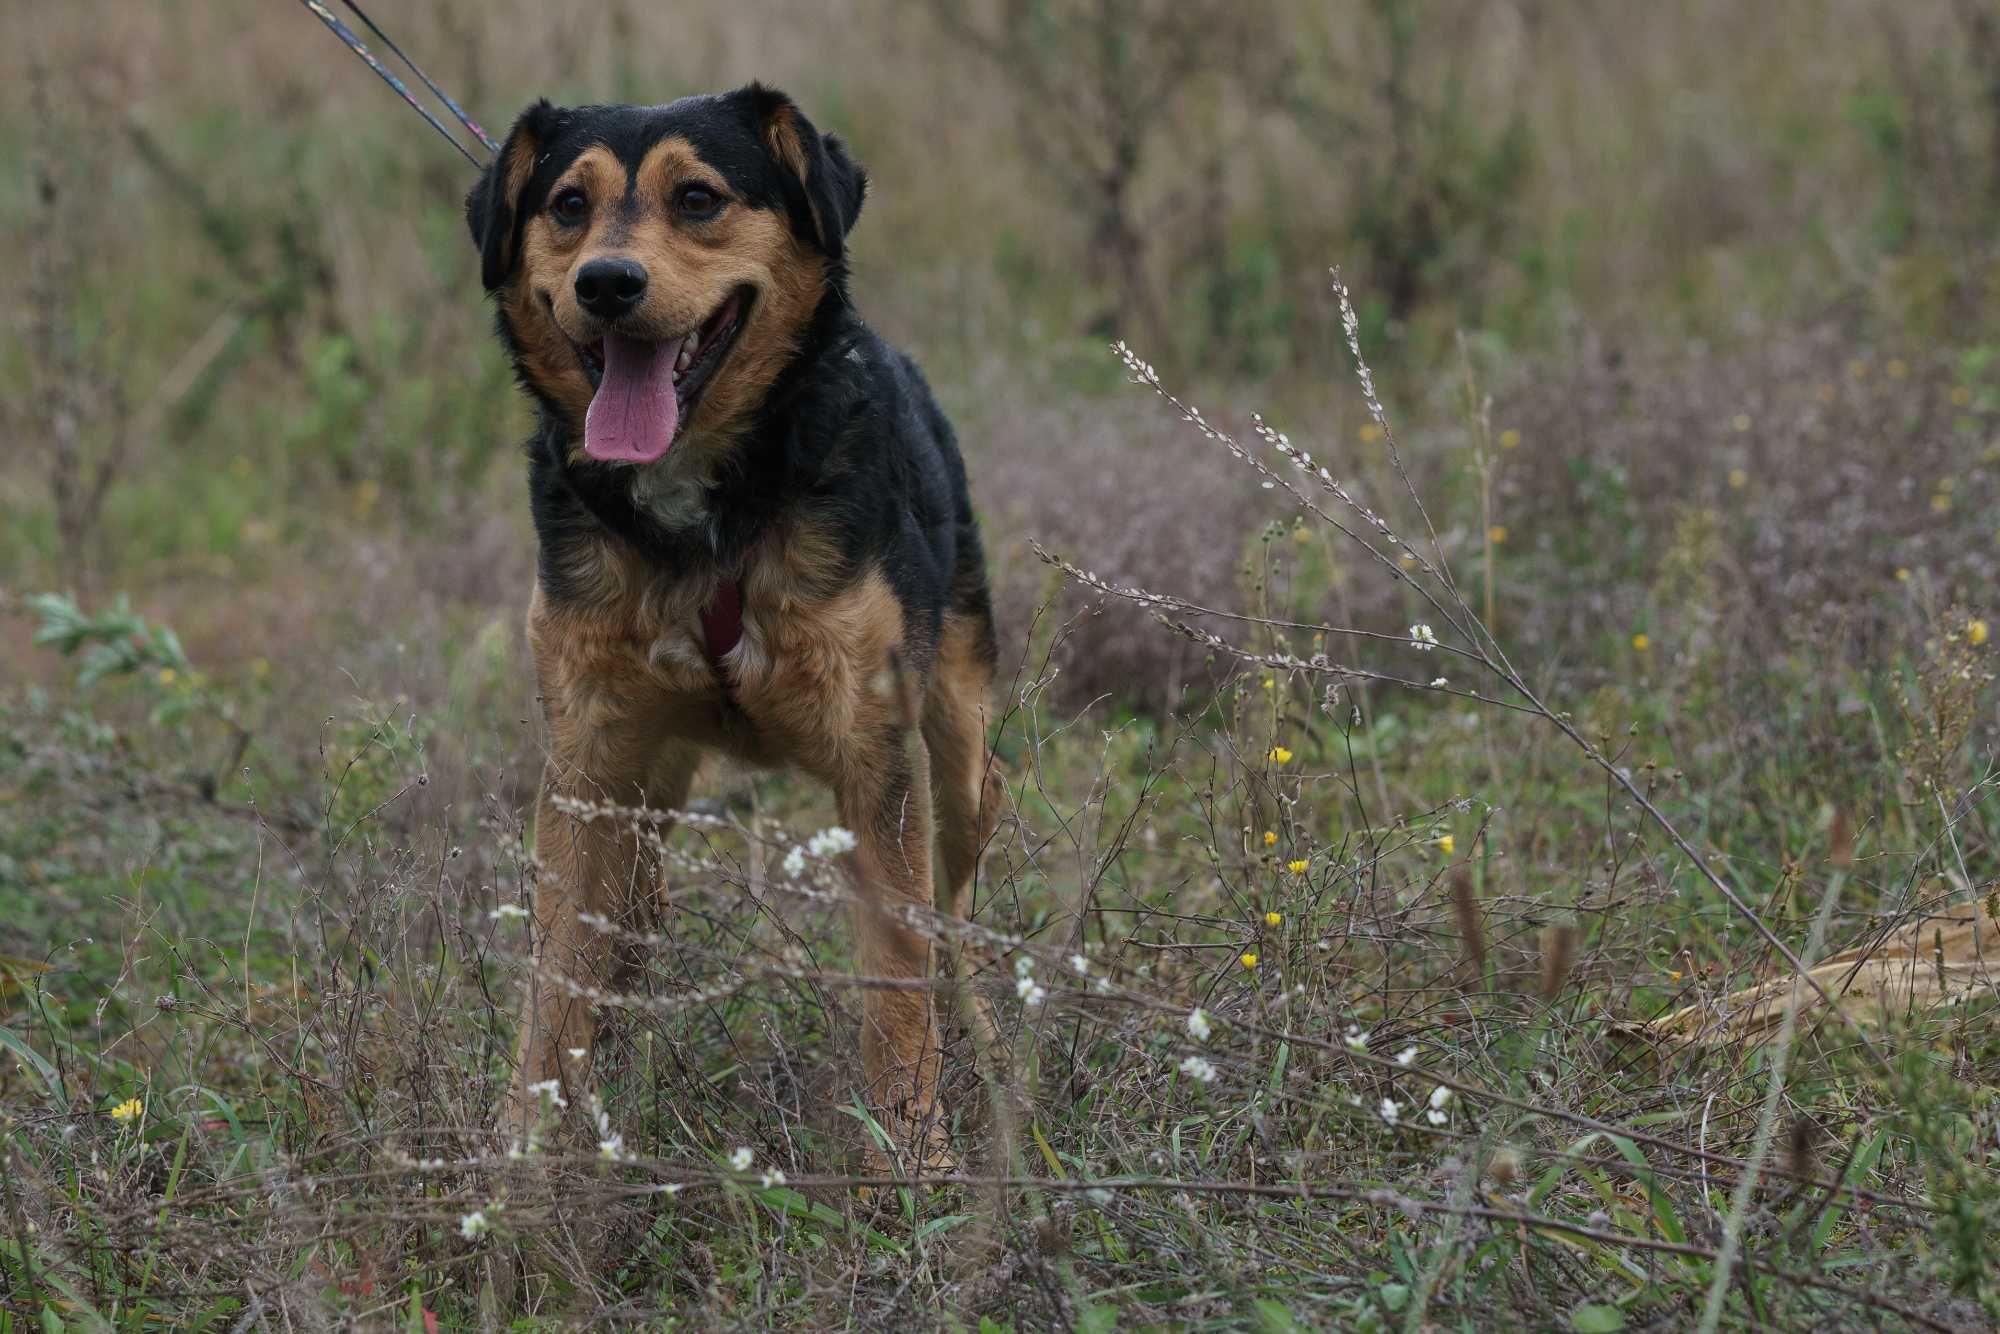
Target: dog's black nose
x=607, y=288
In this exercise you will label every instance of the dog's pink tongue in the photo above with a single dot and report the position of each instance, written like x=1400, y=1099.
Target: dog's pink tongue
x=634, y=415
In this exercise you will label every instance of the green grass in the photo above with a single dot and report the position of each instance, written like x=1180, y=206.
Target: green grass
x=311, y=999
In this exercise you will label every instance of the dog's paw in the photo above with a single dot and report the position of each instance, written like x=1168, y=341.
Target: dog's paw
x=918, y=1144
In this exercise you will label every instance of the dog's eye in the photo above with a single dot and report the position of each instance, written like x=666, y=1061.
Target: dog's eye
x=570, y=207
x=698, y=201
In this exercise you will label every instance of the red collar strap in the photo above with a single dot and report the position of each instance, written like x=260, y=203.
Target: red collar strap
x=722, y=621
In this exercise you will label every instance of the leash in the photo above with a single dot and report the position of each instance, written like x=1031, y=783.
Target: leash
x=360, y=48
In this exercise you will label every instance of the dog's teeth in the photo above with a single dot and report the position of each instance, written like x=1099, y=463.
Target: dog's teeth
x=686, y=353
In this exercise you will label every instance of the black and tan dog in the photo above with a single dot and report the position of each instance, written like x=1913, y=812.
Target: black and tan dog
x=755, y=539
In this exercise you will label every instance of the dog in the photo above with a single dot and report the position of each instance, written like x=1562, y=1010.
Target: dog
x=755, y=539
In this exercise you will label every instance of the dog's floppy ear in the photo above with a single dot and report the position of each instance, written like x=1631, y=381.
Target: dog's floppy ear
x=829, y=184
x=492, y=209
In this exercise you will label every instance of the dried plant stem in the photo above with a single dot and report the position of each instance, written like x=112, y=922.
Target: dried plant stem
x=1767, y=1122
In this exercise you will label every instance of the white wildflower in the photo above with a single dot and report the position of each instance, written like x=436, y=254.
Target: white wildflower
x=612, y=1146
x=773, y=1178
x=551, y=1090
x=578, y=1053
x=1407, y=1056
x=1023, y=965
x=831, y=842
x=475, y=1225
x=1029, y=990
x=740, y=1160
x=1422, y=639
x=1440, y=1098
x=1199, y=1068
x=1197, y=1025
x=1439, y=683
x=1391, y=1110
x=1079, y=965
x=508, y=912
x=795, y=862
x=1356, y=1038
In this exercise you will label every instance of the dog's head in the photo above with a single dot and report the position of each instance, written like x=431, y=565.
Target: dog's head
x=656, y=267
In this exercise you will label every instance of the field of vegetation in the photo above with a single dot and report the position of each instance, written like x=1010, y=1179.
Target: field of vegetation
x=1493, y=507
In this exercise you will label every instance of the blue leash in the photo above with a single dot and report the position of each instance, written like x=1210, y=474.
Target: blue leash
x=359, y=48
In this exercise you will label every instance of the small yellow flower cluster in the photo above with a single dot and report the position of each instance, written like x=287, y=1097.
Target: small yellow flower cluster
x=129, y=1110
x=1497, y=534
x=1280, y=755
x=1274, y=919
x=1975, y=632
x=1641, y=642
x=1298, y=865
x=1270, y=838
x=1444, y=844
x=1248, y=960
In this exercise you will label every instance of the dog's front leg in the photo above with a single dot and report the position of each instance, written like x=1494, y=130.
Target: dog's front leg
x=884, y=798
x=599, y=868
x=605, y=749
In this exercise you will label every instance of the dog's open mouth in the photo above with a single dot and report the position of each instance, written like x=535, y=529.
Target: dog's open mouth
x=646, y=392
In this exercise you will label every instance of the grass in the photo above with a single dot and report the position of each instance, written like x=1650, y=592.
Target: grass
x=1706, y=539
x=309, y=997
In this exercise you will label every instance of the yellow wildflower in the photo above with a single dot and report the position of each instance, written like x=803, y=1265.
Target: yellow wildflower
x=1302, y=535
x=1270, y=682
x=1276, y=919
x=1369, y=433
x=1975, y=630
x=1738, y=479
x=1510, y=439
x=1270, y=837
x=1940, y=503
x=1297, y=866
x=1673, y=974
x=1497, y=534
x=129, y=1110
x=1279, y=755
x=1902, y=574
x=1445, y=843
x=1642, y=641
x=1248, y=960
x=168, y=676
